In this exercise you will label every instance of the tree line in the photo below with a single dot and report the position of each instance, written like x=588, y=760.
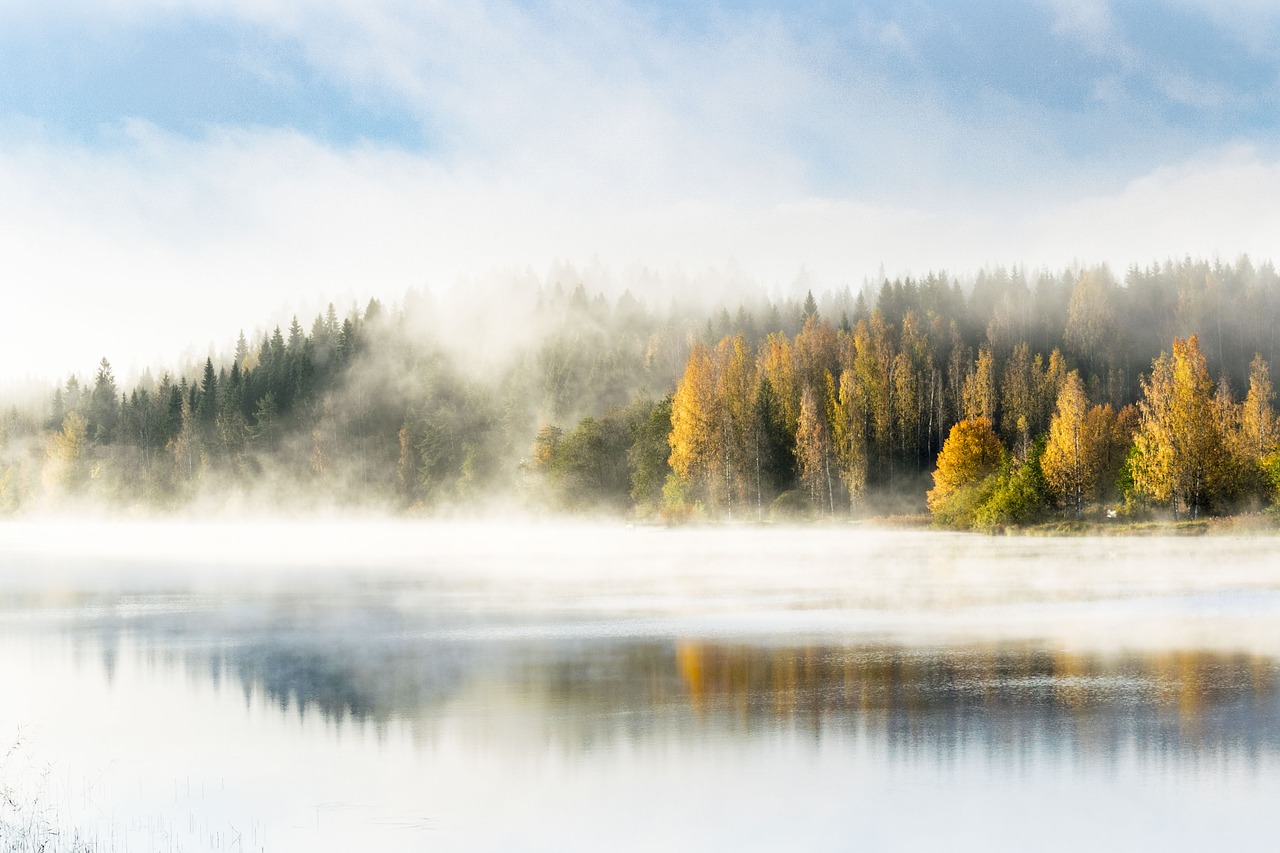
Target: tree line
x=996, y=398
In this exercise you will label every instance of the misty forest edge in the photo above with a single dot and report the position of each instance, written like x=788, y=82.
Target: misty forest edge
x=1005, y=401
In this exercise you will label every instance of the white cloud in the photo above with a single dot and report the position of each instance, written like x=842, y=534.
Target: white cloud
x=1185, y=89
x=1090, y=24
x=1087, y=19
x=578, y=133
x=1221, y=204
x=1253, y=24
x=161, y=243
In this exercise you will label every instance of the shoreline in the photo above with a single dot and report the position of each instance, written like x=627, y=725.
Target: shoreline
x=1260, y=524
x=1257, y=524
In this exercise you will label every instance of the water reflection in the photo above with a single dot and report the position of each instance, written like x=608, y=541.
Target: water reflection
x=367, y=661
x=840, y=703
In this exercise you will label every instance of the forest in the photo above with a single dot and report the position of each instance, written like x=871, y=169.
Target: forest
x=1000, y=399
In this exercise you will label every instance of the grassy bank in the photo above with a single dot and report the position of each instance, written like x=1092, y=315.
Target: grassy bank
x=1233, y=525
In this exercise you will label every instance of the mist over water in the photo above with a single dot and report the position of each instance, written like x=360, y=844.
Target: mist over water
x=390, y=685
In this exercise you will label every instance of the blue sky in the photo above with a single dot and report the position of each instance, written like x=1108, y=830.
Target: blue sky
x=1096, y=88
x=286, y=152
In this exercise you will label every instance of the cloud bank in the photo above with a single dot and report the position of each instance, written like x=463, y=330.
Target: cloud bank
x=364, y=148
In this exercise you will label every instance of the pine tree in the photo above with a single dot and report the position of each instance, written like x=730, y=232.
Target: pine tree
x=775, y=463
x=735, y=369
x=104, y=404
x=810, y=306
x=207, y=403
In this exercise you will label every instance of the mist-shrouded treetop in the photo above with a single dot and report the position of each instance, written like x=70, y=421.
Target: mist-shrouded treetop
x=1097, y=392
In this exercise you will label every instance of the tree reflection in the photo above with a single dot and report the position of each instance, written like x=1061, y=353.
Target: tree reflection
x=369, y=662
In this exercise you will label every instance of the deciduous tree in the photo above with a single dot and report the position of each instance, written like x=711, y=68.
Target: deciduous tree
x=971, y=453
x=1178, y=446
x=1258, y=417
x=1073, y=455
x=813, y=451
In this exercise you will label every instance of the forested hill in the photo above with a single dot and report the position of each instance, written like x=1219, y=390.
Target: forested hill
x=561, y=397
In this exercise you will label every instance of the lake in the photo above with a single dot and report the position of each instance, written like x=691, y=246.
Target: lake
x=348, y=685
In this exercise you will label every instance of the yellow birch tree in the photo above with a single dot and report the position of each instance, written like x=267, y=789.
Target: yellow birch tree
x=970, y=454
x=813, y=451
x=1179, y=444
x=1072, y=455
x=980, y=396
x=695, y=429
x=848, y=436
x=1258, y=418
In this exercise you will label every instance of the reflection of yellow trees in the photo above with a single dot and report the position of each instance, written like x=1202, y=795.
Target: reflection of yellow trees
x=1187, y=675
x=1068, y=670
x=900, y=687
x=689, y=664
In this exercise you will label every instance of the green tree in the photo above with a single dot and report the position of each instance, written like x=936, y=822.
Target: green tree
x=775, y=461
x=735, y=379
x=848, y=432
x=207, y=404
x=267, y=429
x=649, y=453
x=104, y=404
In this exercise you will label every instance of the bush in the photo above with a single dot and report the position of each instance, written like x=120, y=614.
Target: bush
x=960, y=509
x=1016, y=494
x=791, y=505
x=1019, y=497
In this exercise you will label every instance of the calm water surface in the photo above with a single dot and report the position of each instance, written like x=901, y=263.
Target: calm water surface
x=487, y=687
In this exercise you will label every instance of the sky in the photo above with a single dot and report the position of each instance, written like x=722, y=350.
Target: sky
x=171, y=172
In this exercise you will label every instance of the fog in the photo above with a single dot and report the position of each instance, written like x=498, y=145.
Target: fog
x=319, y=683
x=554, y=392
x=1091, y=593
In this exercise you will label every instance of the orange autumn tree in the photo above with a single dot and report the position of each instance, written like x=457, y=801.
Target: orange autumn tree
x=971, y=453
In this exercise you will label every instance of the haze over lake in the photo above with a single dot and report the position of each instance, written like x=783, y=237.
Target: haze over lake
x=406, y=686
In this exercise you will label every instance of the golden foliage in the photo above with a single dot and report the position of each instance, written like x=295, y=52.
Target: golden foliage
x=694, y=428
x=980, y=397
x=66, y=453
x=971, y=453
x=1257, y=417
x=813, y=451
x=777, y=365
x=1179, y=443
x=848, y=434
x=1078, y=450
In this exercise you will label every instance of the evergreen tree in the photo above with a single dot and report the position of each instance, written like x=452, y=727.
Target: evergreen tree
x=104, y=404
